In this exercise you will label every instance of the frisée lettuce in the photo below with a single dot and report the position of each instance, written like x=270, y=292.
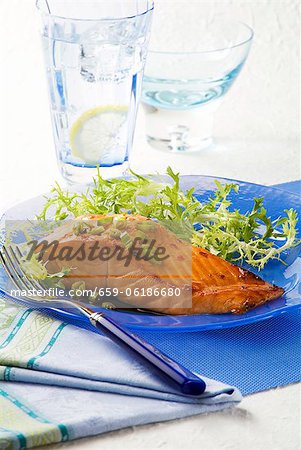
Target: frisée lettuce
x=215, y=225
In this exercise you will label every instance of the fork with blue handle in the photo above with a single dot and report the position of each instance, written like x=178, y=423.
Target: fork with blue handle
x=183, y=379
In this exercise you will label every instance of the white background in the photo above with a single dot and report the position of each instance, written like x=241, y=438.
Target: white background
x=258, y=120
x=258, y=131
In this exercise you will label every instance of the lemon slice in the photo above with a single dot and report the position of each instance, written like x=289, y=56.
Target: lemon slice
x=96, y=131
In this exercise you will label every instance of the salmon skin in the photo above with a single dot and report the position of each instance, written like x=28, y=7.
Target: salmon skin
x=216, y=286
x=221, y=287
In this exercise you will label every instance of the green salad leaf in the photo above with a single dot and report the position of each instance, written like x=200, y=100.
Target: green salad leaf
x=215, y=225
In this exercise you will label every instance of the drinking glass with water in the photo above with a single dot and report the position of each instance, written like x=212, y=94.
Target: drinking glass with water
x=95, y=53
x=184, y=86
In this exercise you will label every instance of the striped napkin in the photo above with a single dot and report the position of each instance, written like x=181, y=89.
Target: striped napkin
x=59, y=382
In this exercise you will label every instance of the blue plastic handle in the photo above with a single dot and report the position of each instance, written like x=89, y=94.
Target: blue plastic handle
x=188, y=382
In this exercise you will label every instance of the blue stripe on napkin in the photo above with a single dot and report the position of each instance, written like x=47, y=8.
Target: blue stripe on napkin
x=82, y=384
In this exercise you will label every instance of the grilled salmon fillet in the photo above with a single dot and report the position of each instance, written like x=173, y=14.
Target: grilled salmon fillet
x=221, y=287
x=215, y=285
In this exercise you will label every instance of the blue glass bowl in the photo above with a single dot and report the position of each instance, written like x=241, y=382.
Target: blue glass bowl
x=285, y=275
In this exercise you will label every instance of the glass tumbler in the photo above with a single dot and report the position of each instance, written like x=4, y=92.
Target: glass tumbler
x=95, y=53
x=182, y=89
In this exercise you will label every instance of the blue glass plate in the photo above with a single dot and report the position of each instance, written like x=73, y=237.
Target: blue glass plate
x=287, y=276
